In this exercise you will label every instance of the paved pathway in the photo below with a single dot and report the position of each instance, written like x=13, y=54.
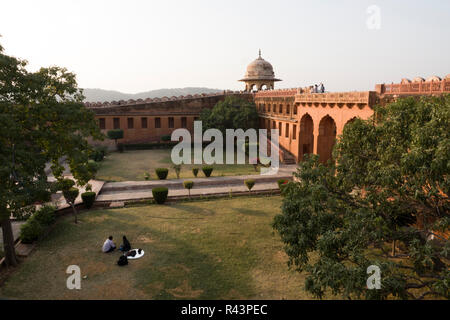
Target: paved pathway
x=16, y=231
x=134, y=190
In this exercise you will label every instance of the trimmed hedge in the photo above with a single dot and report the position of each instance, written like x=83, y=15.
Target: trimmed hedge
x=31, y=230
x=188, y=185
x=65, y=184
x=71, y=194
x=88, y=198
x=115, y=134
x=207, y=170
x=162, y=173
x=195, y=172
x=35, y=226
x=160, y=194
x=149, y=146
x=45, y=215
x=249, y=183
x=166, y=137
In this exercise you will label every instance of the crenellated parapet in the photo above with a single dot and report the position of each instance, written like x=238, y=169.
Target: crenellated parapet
x=277, y=93
x=418, y=86
x=131, y=102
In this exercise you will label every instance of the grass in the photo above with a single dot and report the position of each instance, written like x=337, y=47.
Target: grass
x=222, y=249
x=132, y=166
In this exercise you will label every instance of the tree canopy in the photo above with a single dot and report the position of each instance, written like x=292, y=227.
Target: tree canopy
x=231, y=113
x=42, y=120
x=382, y=200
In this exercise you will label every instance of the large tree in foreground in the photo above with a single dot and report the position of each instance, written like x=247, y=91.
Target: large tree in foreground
x=42, y=119
x=383, y=202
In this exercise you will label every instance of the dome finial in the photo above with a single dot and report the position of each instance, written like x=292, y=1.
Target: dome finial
x=260, y=53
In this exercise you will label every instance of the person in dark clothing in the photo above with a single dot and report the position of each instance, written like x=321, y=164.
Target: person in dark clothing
x=126, y=246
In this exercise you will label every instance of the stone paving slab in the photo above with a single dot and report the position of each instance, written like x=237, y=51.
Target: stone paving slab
x=61, y=203
x=147, y=194
x=284, y=173
x=16, y=231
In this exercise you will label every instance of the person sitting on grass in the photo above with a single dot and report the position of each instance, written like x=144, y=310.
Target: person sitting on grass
x=126, y=246
x=109, y=245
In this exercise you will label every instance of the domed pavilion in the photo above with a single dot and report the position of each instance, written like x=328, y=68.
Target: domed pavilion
x=259, y=75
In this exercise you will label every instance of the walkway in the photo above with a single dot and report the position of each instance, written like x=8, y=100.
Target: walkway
x=136, y=190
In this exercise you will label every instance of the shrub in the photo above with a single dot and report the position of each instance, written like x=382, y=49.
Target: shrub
x=162, y=173
x=249, y=183
x=93, y=166
x=70, y=195
x=65, y=184
x=31, y=230
x=149, y=146
x=188, y=185
x=177, y=168
x=88, y=198
x=98, y=154
x=207, y=170
x=166, y=138
x=115, y=134
x=160, y=194
x=281, y=183
x=147, y=176
x=195, y=172
x=45, y=215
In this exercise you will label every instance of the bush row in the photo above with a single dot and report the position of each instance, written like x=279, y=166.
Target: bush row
x=37, y=224
x=162, y=173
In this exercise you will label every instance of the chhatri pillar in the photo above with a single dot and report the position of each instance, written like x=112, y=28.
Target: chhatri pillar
x=259, y=75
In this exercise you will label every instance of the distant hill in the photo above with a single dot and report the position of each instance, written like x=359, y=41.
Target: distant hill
x=94, y=95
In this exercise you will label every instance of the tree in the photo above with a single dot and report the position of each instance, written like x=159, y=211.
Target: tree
x=115, y=135
x=70, y=194
x=42, y=119
x=188, y=185
x=382, y=201
x=231, y=113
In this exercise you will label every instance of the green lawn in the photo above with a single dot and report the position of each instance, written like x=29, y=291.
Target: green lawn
x=221, y=249
x=132, y=165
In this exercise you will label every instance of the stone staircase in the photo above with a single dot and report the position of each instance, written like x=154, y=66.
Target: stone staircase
x=286, y=157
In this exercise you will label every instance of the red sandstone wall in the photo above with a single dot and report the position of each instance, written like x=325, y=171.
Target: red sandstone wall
x=329, y=113
x=151, y=109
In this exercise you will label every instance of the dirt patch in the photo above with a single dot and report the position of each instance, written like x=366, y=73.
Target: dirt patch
x=280, y=256
x=144, y=239
x=185, y=291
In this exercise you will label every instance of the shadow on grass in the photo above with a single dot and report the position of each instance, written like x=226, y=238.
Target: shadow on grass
x=250, y=212
x=179, y=270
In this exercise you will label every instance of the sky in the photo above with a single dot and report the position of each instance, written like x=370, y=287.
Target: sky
x=135, y=45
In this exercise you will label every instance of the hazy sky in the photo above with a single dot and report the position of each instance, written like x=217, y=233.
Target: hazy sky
x=134, y=46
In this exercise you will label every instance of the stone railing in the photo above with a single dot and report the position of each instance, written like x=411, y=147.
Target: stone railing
x=423, y=88
x=335, y=97
x=276, y=93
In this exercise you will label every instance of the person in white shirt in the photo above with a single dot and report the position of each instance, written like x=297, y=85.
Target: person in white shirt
x=109, y=245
